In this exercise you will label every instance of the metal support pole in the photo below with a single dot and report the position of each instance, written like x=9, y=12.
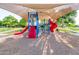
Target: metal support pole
x=37, y=25
x=49, y=26
x=28, y=22
x=44, y=25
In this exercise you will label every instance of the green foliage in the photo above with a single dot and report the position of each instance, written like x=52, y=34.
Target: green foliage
x=23, y=22
x=10, y=21
x=67, y=20
x=0, y=23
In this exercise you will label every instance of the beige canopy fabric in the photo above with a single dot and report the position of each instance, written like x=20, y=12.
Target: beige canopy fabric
x=41, y=6
x=53, y=11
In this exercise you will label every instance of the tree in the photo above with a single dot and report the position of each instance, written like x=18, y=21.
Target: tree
x=22, y=22
x=10, y=21
x=67, y=20
x=0, y=23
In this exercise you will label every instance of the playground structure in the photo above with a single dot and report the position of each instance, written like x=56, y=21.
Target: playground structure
x=33, y=26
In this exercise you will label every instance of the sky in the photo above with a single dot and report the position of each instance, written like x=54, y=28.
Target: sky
x=4, y=13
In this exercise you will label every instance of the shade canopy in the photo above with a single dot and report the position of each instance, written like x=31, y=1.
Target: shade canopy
x=53, y=11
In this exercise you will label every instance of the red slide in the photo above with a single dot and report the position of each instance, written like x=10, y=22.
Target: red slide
x=32, y=32
x=17, y=33
x=52, y=26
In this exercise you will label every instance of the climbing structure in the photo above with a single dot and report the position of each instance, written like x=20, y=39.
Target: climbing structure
x=33, y=24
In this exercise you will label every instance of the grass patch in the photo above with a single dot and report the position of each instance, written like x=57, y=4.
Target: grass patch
x=64, y=29
x=67, y=29
x=9, y=29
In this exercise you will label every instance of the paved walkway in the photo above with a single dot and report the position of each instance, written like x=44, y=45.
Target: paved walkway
x=52, y=44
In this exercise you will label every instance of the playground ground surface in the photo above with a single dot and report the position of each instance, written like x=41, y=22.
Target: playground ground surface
x=58, y=43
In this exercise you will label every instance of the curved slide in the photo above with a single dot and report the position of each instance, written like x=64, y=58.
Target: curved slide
x=52, y=26
x=17, y=33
